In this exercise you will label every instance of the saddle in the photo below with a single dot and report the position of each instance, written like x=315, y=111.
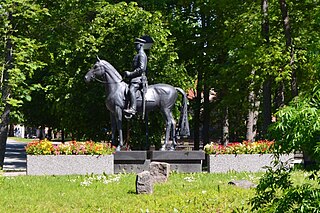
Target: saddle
x=150, y=97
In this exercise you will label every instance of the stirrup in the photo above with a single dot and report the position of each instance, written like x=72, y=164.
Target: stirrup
x=128, y=116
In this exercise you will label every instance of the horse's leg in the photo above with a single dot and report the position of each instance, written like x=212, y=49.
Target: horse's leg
x=173, y=129
x=118, y=118
x=170, y=123
x=113, y=129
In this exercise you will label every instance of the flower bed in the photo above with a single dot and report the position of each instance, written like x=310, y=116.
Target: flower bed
x=250, y=157
x=259, y=147
x=45, y=147
x=45, y=158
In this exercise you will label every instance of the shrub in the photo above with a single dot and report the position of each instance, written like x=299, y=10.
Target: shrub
x=45, y=147
x=276, y=192
x=298, y=124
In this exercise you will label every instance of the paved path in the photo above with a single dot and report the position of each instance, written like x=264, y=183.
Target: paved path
x=15, y=160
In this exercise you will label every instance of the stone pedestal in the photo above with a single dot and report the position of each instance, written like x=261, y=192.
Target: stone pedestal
x=244, y=162
x=131, y=162
x=69, y=164
x=180, y=161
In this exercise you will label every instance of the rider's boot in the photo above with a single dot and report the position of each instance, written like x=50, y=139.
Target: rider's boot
x=130, y=111
x=133, y=104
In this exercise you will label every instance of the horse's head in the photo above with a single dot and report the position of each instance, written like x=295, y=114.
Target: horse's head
x=103, y=72
x=96, y=72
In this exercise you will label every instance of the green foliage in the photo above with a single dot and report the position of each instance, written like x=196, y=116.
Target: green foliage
x=276, y=192
x=298, y=124
x=25, y=49
x=55, y=43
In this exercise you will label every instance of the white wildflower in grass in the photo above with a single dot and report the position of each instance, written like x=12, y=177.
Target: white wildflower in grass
x=112, y=179
x=105, y=179
x=204, y=191
x=86, y=183
x=91, y=179
x=101, y=177
x=189, y=179
x=175, y=210
x=251, y=177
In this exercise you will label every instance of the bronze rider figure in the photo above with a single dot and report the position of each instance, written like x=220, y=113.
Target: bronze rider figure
x=139, y=69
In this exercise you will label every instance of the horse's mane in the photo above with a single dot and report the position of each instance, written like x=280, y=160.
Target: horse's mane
x=111, y=68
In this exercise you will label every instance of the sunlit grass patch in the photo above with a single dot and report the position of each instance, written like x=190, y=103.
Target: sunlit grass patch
x=198, y=192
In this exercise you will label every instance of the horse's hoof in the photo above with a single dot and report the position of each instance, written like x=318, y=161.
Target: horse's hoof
x=118, y=149
x=163, y=148
x=172, y=149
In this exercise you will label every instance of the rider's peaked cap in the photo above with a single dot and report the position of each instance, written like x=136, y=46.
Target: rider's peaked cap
x=139, y=41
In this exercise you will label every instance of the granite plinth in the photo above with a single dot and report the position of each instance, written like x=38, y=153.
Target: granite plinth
x=180, y=161
x=131, y=162
x=243, y=162
x=69, y=164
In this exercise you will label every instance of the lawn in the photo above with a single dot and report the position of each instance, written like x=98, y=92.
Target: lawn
x=23, y=140
x=200, y=192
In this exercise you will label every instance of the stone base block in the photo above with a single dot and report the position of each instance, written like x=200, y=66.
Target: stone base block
x=69, y=164
x=243, y=162
x=180, y=161
x=131, y=162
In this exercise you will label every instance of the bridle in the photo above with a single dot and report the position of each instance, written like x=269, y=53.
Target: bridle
x=104, y=82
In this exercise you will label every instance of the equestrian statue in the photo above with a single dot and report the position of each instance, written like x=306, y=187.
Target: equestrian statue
x=126, y=100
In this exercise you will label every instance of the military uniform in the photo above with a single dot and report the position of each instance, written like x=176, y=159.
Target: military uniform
x=139, y=69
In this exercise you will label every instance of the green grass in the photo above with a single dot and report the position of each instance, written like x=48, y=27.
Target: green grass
x=200, y=192
x=24, y=140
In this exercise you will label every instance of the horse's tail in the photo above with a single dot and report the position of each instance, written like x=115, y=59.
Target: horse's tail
x=183, y=125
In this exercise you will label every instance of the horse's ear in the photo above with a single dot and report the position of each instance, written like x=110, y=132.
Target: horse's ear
x=98, y=58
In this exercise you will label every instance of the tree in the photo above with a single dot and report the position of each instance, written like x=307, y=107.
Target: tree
x=74, y=37
x=18, y=59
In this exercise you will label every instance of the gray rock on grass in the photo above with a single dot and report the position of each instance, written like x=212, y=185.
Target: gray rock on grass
x=144, y=183
x=159, y=171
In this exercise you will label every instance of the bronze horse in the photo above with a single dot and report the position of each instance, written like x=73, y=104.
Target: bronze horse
x=158, y=96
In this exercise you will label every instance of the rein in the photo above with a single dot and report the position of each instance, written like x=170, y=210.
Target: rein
x=106, y=82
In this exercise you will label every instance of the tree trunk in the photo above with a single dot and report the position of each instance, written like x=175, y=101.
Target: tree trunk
x=250, y=120
x=206, y=90
x=279, y=99
x=266, y=106
x=206, y=114
x=11, y=130
x=252, y=117
x=253, y=113
x=267, y=83
x=197, y=110
x=62, y=136
x=225, y=127
x=5, y=89
x=287, y=32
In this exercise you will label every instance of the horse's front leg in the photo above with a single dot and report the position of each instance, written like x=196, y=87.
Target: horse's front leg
x=113, y=129
x=118, y=117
